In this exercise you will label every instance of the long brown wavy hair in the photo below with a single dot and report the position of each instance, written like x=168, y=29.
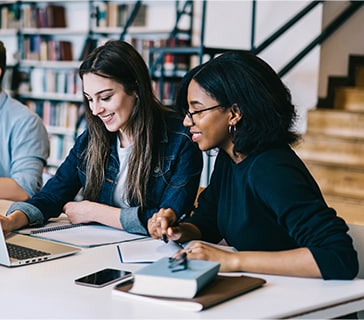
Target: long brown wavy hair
x=120, y=61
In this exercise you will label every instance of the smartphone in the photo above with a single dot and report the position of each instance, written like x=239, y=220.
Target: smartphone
x=104, y=277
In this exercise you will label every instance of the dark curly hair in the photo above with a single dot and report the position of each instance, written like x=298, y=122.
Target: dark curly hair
x=243, y=79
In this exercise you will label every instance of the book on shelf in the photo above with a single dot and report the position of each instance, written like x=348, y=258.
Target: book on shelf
x=221, y=289
x=65, y=50
x=9, y=16
x=41, y=17
x=174, y=277
x=50, y=16
x=141, y=17
x=89, y=45
x=113, y=14
x=28, y=16
x=55, y=16
x=46, y=48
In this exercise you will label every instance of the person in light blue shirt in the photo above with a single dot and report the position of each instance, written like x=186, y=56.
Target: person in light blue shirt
x=24, y=147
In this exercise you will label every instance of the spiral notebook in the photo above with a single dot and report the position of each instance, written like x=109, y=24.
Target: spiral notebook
x=82, y=235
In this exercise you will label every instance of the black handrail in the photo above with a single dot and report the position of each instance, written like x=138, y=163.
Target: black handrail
x=282, y=29
x=131, y=18
x=331, y=28
x=254, y=14
x=159, y=60
x=187, y=6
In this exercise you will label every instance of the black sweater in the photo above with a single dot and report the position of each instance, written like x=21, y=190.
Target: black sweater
x=270, y=202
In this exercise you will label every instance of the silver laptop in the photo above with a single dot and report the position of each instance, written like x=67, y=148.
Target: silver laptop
x=19, y=249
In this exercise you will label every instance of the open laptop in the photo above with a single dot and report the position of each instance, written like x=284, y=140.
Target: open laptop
x=20, y=249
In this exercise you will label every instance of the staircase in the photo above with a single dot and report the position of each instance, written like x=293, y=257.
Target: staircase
x=333, y=145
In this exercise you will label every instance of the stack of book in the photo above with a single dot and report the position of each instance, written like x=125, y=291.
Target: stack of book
x=195, y=288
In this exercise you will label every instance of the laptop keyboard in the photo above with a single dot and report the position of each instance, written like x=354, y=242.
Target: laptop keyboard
x=20, y=253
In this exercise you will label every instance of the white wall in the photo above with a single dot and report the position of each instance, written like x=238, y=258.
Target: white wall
x=228, y=24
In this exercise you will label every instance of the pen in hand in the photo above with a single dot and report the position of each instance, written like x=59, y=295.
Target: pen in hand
x=164, y=236
x=119, y=253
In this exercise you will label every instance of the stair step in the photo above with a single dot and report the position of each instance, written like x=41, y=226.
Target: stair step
x=359, y=76
x=332, y=150
x=338, y=180
x=351, y=210
x=336, y=122
x=349, y=98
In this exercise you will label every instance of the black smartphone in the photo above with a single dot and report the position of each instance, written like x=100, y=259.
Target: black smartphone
x=104, y=277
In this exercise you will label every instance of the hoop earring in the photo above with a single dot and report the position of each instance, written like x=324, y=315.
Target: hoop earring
x=232, y=130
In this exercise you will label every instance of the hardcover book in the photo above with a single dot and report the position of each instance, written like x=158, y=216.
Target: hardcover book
x=158, y=278
x=221, y=289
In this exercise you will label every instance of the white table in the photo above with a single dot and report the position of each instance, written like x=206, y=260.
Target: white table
x=47, y=290
x=4, y=205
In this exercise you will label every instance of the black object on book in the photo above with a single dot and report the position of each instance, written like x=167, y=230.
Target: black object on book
x=223, y=288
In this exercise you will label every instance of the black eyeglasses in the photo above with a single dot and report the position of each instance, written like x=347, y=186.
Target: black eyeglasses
x=178, y=263
x=190, y=114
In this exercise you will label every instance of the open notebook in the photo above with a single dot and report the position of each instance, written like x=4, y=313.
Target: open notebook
x=150, y=250
x=19, y=249
x=82, y=235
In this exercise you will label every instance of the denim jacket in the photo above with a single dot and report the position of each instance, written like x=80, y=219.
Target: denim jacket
x=174, y=185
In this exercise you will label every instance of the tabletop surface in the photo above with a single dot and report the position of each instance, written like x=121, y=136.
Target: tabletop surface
x=47, y=290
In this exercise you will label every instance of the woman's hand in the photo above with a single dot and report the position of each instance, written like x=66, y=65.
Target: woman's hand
x=14, y=221
x=160, y=222
x=87, y=211
x=203, y=251
x=163, y=222
x=80, y=211
x=5, y=224
x=295, y=262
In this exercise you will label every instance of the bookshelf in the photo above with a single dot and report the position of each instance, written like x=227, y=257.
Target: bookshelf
x=133, y=22
x=50, y=36
x=47, y=40
x=9, y=25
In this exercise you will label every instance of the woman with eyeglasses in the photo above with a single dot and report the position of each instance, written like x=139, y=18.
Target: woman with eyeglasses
x=134, y=158
x=261, y=199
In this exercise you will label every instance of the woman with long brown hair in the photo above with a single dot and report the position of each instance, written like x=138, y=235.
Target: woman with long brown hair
x=134, y=158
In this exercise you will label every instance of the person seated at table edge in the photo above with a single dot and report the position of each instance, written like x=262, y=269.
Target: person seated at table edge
x=134, y=157
x=261, y=198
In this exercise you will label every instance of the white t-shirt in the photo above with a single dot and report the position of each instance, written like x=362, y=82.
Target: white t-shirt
x=119, y=195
